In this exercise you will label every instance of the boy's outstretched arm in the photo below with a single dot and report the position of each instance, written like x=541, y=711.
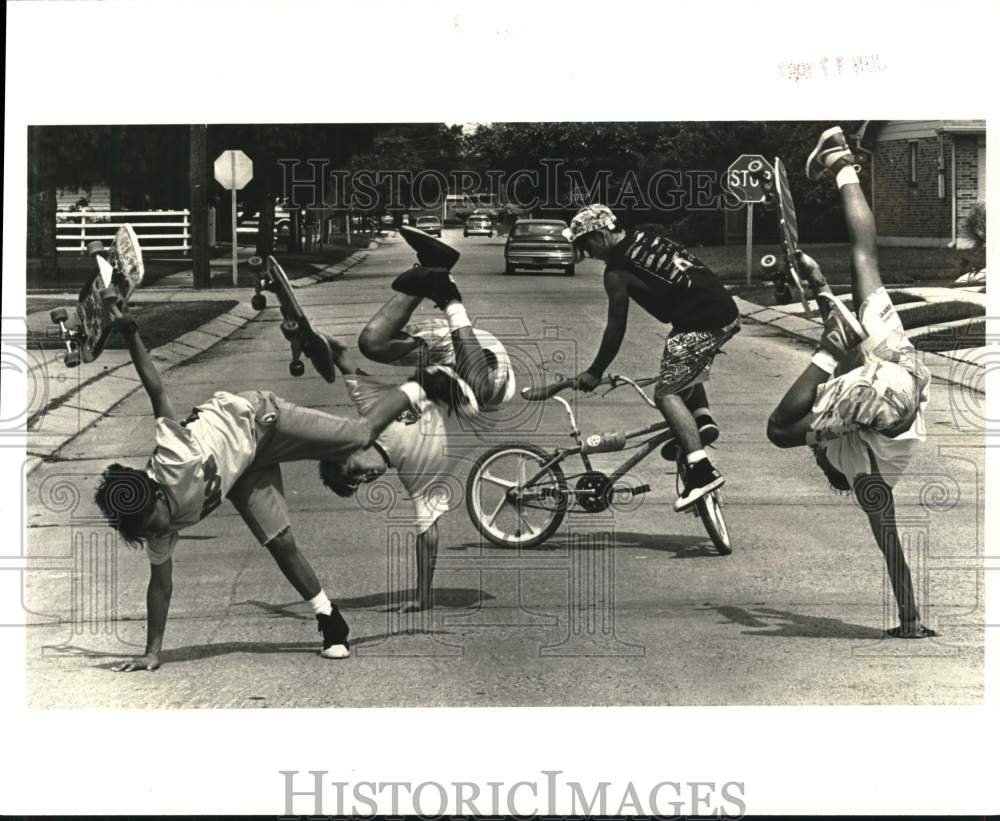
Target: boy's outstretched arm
x=150, y=376
x=158, y=595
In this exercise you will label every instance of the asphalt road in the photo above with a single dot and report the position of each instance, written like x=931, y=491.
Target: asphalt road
x=645, y=614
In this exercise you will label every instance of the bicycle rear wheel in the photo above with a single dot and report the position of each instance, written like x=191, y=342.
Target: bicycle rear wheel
x=506, y=509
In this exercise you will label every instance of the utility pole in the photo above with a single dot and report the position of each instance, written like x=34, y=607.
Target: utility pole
x=199, y=207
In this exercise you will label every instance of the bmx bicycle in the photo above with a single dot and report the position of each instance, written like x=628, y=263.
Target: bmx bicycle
x=517, y=494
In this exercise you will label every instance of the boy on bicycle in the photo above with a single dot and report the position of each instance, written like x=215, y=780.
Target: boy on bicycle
x=859, y=405
x=668, y=282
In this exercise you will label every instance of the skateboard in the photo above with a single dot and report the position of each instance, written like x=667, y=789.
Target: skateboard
x=788, y=232
x=103, y=297
x=295, y=326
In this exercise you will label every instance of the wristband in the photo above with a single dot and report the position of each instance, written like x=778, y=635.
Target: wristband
x=414, y=393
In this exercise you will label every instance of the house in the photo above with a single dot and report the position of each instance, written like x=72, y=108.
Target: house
x=924, y=177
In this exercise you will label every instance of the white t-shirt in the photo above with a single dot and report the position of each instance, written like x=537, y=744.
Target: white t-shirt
x=418, y=452
x=197, y=461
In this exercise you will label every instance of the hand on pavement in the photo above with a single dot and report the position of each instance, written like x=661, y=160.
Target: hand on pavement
x=150, y=661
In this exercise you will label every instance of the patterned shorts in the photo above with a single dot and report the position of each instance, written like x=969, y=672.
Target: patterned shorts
x=687, y=356
x=883, y=391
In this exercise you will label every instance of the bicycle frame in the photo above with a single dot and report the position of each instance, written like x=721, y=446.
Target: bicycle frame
x=661, y=430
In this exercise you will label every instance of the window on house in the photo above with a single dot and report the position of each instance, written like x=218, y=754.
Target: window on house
x=913, y=164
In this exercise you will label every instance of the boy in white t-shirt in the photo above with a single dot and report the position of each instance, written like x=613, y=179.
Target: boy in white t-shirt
x=860, y=403
x=464, y=369
x=231, y=446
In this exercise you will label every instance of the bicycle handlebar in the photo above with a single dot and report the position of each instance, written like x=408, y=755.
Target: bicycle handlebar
x=612, y=381
x=547, y=391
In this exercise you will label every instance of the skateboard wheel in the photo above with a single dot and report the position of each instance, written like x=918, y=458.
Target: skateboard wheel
x=296, y=368
x=255, y=263
x=72, y=359
x=58, y=315
x=289, y=328
x=258, y=302
x=768, y=262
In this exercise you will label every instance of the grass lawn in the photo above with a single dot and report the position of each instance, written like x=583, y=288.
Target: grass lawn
x=298, y=265
x=159, y=322
x=899, y=266
x=75, y=270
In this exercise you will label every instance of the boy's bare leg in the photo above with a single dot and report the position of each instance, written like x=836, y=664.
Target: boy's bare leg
x=383, y=338
x=865, y=276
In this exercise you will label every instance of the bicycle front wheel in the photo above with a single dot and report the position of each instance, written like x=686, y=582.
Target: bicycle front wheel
x=710, y=510
x=510, y=502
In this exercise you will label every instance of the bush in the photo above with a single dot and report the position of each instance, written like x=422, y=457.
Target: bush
x=974, y=225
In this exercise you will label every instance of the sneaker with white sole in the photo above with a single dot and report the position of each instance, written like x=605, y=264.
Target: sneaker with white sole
x=700, y=479
x=830, y=154
x=335, y=631
x=842, y=332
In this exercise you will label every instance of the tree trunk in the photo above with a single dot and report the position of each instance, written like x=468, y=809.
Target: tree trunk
x=265, y=226
x=49, y=255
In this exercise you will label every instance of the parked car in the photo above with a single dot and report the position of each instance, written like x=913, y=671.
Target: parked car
x=429, y=225
x=478, y=224
x=538, y=243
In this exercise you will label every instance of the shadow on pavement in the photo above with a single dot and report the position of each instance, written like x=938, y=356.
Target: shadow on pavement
x=683, y=547
x=457, y=597
x=786, y=624
x=200, y=652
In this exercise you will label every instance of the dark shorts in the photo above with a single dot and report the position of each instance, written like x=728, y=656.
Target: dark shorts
x=687, y=356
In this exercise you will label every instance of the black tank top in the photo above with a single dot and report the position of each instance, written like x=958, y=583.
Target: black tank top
x=684, y=292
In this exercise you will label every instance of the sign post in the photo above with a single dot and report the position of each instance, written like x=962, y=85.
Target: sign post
x=746, y=179
x=233, y=170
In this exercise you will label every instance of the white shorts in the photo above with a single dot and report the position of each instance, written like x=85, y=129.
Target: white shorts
x=884, y=392
x=417, y=451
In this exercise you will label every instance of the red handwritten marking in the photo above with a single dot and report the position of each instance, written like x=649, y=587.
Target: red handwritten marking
x=823, y=68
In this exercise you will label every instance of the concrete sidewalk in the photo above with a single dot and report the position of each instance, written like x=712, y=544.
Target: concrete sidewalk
x=961, y=366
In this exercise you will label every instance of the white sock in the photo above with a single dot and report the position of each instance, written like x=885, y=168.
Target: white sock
x=846, y=176
x=825, y=361
x=700, y=412
x=696, y=456
x=320, y=604
x=457, y=317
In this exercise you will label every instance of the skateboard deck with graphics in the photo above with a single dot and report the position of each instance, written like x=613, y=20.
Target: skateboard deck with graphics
x=103, y=297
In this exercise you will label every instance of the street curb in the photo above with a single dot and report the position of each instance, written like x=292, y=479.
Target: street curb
x=170, y=354
x=964, y=372
x=334, y=271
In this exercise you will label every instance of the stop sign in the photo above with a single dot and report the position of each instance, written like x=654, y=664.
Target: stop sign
x=233, y=170
x=746, y=178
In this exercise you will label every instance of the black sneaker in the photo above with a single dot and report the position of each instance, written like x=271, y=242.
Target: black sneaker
x=708, y=432
x=335, y=631
x=435, y=284
x=431, y=252
x=700, y=478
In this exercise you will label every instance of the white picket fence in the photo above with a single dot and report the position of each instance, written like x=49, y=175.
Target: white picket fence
x=171, y=230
